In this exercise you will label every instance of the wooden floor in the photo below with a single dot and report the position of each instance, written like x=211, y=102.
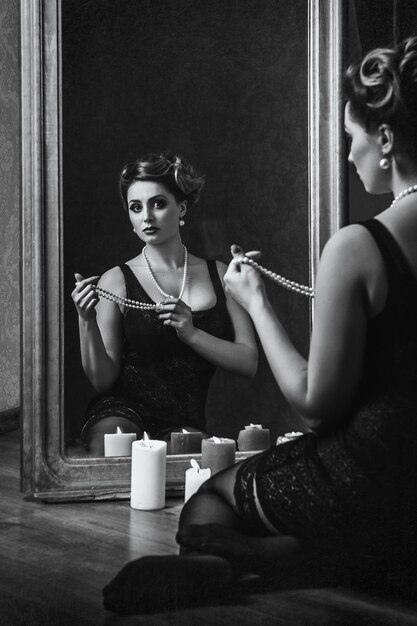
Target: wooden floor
x=56, y=558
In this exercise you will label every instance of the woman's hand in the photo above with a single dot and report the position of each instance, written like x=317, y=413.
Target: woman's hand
x=174, y=312
x=85, y=296
x=241, y=281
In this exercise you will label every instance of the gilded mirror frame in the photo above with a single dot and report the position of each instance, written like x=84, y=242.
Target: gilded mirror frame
x=46, y=472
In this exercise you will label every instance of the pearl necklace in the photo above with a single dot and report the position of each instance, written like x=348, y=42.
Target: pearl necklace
x=291, y=285
x=184, y=277
x=304, y=289
x=127, y=302
x=145, y=306
x=406, y=192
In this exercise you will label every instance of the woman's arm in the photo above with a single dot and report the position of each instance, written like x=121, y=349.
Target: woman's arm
x=100, y=327
x=239, y=356
x=322, y=388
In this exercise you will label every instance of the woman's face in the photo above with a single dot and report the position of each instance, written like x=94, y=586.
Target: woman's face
x=365, y=154
x=153, y=211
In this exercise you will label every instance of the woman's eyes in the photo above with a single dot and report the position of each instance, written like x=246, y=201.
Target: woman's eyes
x=156, y=204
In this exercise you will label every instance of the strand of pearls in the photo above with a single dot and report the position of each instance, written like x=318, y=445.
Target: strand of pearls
x=127, y=302
x=155, y=282
x=406, y=192
x=291, y=285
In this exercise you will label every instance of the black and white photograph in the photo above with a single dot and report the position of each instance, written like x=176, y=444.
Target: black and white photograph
x=208, y=287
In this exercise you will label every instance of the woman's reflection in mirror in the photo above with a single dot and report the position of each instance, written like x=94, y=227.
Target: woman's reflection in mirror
x=337, y=504
x=152, y=365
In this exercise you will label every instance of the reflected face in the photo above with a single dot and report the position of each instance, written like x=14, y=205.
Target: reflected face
x=153, y=211
x=365, y=154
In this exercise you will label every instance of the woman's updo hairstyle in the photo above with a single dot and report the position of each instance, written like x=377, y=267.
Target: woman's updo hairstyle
x=177, y=175
x=382, y=88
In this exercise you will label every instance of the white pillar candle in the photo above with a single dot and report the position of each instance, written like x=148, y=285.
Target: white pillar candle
x=217, y=453
x=194, y=478
x=148, y=474
x=118, y=443
x=186, y=442
x=253, y=437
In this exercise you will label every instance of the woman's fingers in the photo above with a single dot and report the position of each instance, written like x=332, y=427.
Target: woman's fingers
x=238, y=253
x=87, y=298
x=253, y=254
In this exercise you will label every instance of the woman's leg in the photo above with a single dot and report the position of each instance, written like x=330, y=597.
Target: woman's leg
x=210, y=524
x=163, y=583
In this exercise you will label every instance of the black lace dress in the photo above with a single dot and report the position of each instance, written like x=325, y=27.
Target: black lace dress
x=354, y=492
x=163, y=384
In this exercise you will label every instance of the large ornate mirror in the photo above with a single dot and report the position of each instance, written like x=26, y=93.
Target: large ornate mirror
x=250, y=92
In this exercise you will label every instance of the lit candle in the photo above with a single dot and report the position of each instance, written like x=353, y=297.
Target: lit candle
x=118, y=443
x=186, y=442
x=288, y=437
x=253, y=437
x=194, y=478
x=148, y=474
x=217, y=453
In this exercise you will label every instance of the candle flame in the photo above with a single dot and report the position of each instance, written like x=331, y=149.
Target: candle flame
x=216, y=440
x=119, y=431
x=145, y=436
x=185, y=431
x=195, y=465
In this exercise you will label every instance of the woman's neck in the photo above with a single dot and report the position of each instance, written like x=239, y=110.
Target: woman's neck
x=403, y=180
x=169, y=255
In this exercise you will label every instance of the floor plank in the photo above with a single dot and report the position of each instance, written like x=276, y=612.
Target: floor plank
x=56, y=558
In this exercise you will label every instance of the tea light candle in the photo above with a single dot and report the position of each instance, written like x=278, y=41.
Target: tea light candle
x=118, y=443
x=148, y=474
x=186, y=442
x=217, y=453
x=288, y=437
x=254, y=437
x=194, y=478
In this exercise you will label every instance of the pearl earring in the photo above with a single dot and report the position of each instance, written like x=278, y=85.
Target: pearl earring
x=384, y=163
x=182, y=222
x=134, y=230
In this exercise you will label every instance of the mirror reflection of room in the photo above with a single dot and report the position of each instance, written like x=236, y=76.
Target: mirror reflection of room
x=210, y=92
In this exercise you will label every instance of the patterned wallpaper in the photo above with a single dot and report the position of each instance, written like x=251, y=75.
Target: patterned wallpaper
x=9, y=204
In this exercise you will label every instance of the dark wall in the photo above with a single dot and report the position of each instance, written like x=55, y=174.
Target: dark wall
x=225, y=84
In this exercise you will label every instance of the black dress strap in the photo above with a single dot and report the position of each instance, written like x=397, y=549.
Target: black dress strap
x=134, y=289
x=396, y=264
x=215, y=279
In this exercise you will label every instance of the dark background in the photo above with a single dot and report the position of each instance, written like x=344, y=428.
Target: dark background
x=224, y=83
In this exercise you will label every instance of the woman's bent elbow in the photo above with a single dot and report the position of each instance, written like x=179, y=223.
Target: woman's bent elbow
x=101, y=384
x=251, y=367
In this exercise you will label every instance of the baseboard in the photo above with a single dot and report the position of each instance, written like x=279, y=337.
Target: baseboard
x=9, y=420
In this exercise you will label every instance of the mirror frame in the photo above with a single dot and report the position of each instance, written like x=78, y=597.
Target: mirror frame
x=47, y=473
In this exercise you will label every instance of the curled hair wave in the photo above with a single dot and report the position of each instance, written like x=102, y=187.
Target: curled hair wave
x=382, y=88
x=171, y=170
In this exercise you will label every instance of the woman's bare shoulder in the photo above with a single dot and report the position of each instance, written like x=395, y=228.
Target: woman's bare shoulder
x=113, y=280
x=349, y=241
x=352, y=254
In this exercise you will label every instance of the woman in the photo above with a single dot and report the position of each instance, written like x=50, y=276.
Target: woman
x=152, y=365
x=342, y=497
